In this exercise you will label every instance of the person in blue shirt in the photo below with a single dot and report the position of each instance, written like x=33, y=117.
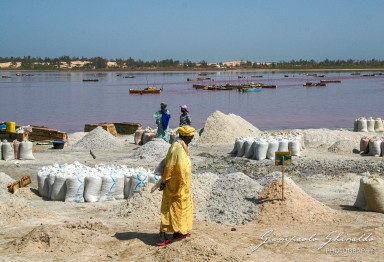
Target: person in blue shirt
x=162, y=120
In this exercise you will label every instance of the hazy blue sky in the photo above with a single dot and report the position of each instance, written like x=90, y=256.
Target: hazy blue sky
x=211, y=30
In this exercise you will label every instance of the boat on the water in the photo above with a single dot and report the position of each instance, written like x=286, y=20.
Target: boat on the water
x=250, y=89
x=330, y=81
x=314, y=84
x=91, y=80
x=148, y=90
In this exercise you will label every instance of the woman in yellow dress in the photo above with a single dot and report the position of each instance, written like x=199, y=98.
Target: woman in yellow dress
x=177, y=205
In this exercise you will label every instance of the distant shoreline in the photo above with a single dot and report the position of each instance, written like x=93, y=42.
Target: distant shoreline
x=199, y=70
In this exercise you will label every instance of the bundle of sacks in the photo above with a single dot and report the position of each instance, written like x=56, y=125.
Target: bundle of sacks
x=16, y=150
x=78, y=183
x=371, y=194
x=371, y=146
x=265, y=146
x=363, y=124
x=143, y=136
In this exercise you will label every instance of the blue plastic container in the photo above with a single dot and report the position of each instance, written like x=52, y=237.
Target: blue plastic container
x=58, y=144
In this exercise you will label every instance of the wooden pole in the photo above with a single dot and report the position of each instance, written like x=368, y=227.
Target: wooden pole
x=282, y=181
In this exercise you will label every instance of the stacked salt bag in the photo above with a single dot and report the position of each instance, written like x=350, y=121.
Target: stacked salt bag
x=371, y=124
x=78, y=183
x=371, y=194
x=361, y=124
x=374, y=147
x=379, y=125
x=265, y=146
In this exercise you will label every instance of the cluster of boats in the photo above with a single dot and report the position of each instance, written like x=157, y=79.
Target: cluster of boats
x=247, y=87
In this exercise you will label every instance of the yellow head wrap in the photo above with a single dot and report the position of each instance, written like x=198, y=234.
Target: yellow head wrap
x=186, y=131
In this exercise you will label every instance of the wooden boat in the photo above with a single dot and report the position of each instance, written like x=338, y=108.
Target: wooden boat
x=265, y=86
x=314, y=84
x=330, y=81
x=129, y=76
x=256, y=76
x=90, y=80
x=148, y=90
x=5, y=77
x=198, y=86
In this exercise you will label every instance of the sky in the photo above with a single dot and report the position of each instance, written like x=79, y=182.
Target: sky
x=194, y=30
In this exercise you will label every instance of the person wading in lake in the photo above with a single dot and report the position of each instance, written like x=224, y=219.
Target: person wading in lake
x=177, y=205
x=162, y=120
x=185, y=119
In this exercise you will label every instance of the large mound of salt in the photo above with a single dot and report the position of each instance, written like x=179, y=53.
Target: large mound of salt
x=298, y=206
x=98, y=139
x=224, y=129
x=154, y=150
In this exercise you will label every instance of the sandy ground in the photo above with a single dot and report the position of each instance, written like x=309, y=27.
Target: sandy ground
x=33, y=229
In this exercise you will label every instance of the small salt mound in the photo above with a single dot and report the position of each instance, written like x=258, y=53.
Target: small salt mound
x=342, y=146
x=298, y=206
x=224, y=129
x=98, y=139
x=154, y=150
x=142, y=206
x=5, y=181
x=233, y=199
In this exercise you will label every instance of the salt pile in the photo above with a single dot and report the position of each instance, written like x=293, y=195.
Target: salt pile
x=154, y=150
x=227, y=199
x=298, y=206
x=98, y=139
x=343, y=146
x=222, y=129
x=233, y=199
x=5, y=181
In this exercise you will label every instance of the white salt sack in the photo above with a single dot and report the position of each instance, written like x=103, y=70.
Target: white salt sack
x=360, y=201
x=42, y=184
x=127, y=185
x=119, y=190
x=75, y=188
x=294, y=147
x=248, y=148
x=138, y=181
x=362, y=124
x=371, y=124
x=374, y=194
x=261, y=149
x=374, y=147
x=273, y=146
x=59, y=188
x=108, y=187
x=25, y=151
x=7, y=151
x=92, y=188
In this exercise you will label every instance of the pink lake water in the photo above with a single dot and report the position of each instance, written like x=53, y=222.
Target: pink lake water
x=61, y=100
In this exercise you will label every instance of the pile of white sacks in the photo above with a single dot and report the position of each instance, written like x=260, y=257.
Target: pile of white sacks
x=372, y=146
x=363, y=124
x=265, y=147
x=78, y=183
x=16, y=150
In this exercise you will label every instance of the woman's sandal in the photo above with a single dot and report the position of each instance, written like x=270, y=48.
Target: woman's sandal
x=164, y=243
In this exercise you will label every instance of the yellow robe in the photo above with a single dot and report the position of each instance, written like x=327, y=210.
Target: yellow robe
x=177, y=205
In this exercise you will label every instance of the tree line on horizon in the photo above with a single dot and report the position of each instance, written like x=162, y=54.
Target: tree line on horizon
x=99, y=63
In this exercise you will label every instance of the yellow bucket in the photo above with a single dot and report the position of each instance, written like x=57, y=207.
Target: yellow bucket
x=11, y=127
